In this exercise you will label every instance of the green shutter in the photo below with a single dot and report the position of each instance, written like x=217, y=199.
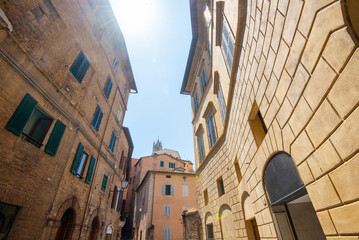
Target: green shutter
x=55, y=138
x=21, y=115
x=77, y=159
x=90, y=170
x=104, y=182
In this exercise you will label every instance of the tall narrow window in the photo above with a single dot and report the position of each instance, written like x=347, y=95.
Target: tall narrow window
x=82, y=164
x=115, y=64
x=171, y=165
x=257, y=124
x=200, y=147
x=210, y=234
x=124, y=91
x=227, y=45
x=238, y=171
x=97, y=118
x=80, y=67
x=205, y=196
x=211, y=130
x=121, y=160
x=104, y=182
x=161, y=164
x=220, y=186
x=167, y=189
x=167, y=211
x=203, y=80
x=195, y=102
x=167, y=234
x=221, y=103
x=108, y=87
x=185, y=190
x=112, y=141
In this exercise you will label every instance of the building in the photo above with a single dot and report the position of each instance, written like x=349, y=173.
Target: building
x=165, y=187
x=65, y=83
x=274, y=87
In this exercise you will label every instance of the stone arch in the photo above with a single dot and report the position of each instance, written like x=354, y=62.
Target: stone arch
x=226, y=222
x=294, y=215
x=249, y=217
x=70, y=203
x=209, y=225
x=109, y=232
x=95, y=228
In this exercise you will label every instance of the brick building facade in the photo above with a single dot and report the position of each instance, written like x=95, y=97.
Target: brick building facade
x=65, y=82
x=274, y=89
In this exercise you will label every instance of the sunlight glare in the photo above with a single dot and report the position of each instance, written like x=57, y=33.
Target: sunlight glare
x=134, y=16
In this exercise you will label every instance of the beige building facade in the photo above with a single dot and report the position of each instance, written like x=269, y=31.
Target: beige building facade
x=274, y=89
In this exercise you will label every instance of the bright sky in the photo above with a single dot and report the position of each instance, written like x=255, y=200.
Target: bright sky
x=158, y=36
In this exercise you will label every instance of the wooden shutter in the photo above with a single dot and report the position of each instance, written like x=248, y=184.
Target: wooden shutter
x=169, y=211
x=114, y=198
x=21, y=115
x=161, y=164
x=108, y=87
x=163, y=189
x=90, y=170
x=55, y=138
x=104, y=182
x=119, y=203
x=99, y=120
x=95, y=116
x=77, y=158
x=172, y=190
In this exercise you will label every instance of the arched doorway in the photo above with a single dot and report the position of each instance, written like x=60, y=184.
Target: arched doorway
x=226, y=222
x=249, y=218
x=109, y=232
x=95, y=228
x=293, y=211
x=66, y=228
x=209, y=226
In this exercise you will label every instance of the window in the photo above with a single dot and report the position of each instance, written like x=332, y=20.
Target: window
x=124, y=91
x=238, y=171
x=167, y=211
x=161, y=164
x=171, y=165
x=205, y=196
x=209, y=49
x=112, y=141
x=97, y=118
x=104, y=182
x=200, y=147
x=211, y=130
x=115, y=64
x=80, y=67
x=119, y=115
x=203, y=80
x=114, y=198
x=221, y=103
x=90, y=170
x=257, y=125
x=38, y=12
x=168, y=176
x=121, y=160
x=167, y=234
x=195, y=101
x=32, y=124
x=185, y=190
x=79, y=163
x=227, y=45
x=119, y=201
x=210, y=234
x=167, y=189
x=108, y=87
x=82, y=164
x=220, y=186
x=7, y=216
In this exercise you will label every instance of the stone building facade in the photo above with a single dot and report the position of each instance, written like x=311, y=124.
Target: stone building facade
x=274, y=87
x=65, y=82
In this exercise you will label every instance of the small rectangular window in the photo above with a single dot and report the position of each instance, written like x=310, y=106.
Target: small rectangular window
x=185, y=190
x=171, y=165
x=168, y=176
x=161, y=164
x=205, y=196
x=80, y=67
x=108, y=87
x=195, y=102
x=167, y=211
x=200, y=148
x=238, y=171
x=257, y=124
x=167, y=189
x=211, y=130
x=104, y=182
x=112, y=141
x=220, y=186
x=97, y=118
x=203, y=80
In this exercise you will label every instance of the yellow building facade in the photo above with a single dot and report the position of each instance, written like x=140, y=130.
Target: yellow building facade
x=274, y=88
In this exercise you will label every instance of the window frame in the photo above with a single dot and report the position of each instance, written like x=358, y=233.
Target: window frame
x=108, y=87
x=222, y=104
x=200, y=147
x=80, y=67
x=203, y=80
x=211, y=129
x=112, y=143
x=82, y=171
x=225, y=45
x=97, y=118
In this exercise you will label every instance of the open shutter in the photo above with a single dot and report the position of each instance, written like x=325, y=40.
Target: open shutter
x=90, y=170
x=55, y=138
x=104, y=182
x=163, y=189
x=172, y=190
x=119, y=203
x=21, y=115
x=77, y=159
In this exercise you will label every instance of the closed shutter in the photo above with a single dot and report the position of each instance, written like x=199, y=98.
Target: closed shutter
x=114, y=198
x=104, y=182
x=108, y=87
x=96, y=121
x=169, y=211
x=99, y=120
x=21, y=115
x=163, y=189
x=90, y=170
x=172, y=190
x=77, y=158
x=161, y=164
x=55, y=138
x=174, y=165
x=119, y=203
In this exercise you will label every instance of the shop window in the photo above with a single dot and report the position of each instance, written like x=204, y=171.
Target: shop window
x=205, y=195
x=220, y=186
x=257, y=125
x=80, y=67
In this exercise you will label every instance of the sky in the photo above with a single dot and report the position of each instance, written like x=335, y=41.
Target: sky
x=158, y=36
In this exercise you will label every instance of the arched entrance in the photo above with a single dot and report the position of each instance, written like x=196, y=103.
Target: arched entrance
x=66, y=228
x=109, y=232
x=226, y=222
x=209, y=226
x=293, y=211
x=249, y=218
x=95, y=228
